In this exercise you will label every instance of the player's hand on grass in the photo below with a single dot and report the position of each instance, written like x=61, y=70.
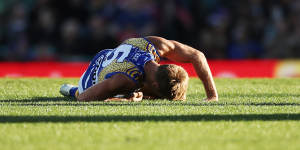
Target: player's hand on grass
x=136, y=96
x=211, y=99
x=132, y=97
x=114, y=99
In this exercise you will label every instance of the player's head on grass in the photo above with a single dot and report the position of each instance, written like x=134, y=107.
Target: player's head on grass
x=172, y=82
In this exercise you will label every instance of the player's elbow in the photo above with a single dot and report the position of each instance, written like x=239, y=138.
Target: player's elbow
x=199, y=56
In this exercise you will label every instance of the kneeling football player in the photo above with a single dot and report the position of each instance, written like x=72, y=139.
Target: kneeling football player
x=132, y=71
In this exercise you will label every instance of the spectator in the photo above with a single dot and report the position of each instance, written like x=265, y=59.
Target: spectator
x=99, y=35
x=71, y=41
x=45, y=29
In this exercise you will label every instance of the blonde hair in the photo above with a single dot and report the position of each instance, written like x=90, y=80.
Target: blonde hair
x=172, y=82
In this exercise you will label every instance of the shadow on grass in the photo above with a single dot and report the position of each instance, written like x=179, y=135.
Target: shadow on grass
x=62, y=101
x=137, y=118
x=39, y=99
x=259, y=95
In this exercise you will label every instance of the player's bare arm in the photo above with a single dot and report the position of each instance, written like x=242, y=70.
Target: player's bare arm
x=108, y=88
x=129, y=97
x=179, y=52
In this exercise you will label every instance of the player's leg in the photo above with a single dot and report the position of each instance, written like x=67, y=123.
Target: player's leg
x=69, y=90
x=86, y=80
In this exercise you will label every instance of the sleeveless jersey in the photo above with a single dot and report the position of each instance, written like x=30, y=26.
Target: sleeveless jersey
x=128, y=58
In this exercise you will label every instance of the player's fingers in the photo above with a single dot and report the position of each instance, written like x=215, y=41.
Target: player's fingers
x=139, y=94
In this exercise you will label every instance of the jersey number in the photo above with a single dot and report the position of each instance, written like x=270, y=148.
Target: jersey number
x=124, y=49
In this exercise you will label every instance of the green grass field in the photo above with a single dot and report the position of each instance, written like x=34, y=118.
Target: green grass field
x=252, y=114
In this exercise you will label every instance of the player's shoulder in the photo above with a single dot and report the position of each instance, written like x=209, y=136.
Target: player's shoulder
x=141, y=43
x=144, y=45
x=158, y=41
x=161, y=44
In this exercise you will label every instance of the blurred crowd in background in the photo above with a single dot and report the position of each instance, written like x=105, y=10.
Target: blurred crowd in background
x=48, y=30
